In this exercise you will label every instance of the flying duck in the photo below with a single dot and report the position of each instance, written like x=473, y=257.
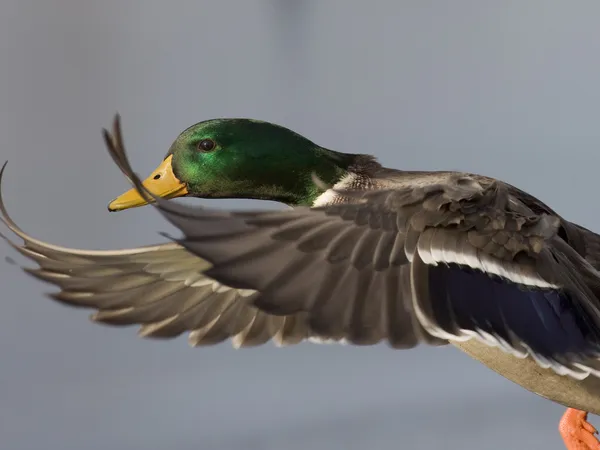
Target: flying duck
x=365, y=254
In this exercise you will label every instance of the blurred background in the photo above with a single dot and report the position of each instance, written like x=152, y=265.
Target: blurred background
x=509, y=89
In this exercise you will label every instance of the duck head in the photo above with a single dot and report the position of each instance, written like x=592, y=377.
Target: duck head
x=242, y=158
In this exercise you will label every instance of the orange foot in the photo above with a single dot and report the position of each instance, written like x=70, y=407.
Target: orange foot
x=576, y=432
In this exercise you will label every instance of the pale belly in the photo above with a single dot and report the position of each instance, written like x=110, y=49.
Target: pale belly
x=579, y=394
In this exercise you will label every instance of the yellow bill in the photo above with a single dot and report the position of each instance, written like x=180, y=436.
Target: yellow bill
x=162, y=183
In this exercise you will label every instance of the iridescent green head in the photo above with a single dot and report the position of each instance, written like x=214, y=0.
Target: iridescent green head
x=242, y=158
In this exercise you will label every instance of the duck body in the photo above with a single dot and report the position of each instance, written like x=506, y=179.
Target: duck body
x=582, y=395
x=366, y=254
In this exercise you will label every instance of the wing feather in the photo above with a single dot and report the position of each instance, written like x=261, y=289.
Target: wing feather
x=163, y=288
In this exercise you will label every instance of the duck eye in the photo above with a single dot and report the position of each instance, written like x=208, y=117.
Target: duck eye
x=206, y=145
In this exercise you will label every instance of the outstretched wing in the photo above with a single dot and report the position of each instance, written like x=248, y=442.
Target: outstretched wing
x=163, y=288
x=460, y=256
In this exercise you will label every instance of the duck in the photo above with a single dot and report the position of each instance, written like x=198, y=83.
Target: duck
x=363, y=254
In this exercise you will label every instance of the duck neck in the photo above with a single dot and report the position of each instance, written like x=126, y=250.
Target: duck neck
x=354, y=171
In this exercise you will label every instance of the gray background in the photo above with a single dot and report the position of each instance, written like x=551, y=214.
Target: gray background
x=510, y=89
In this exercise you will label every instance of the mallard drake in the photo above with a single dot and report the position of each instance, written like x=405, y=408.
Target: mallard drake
x=365, y=254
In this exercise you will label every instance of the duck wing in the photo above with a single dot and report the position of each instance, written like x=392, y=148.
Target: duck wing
x=449, y=257
x=163, y=288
